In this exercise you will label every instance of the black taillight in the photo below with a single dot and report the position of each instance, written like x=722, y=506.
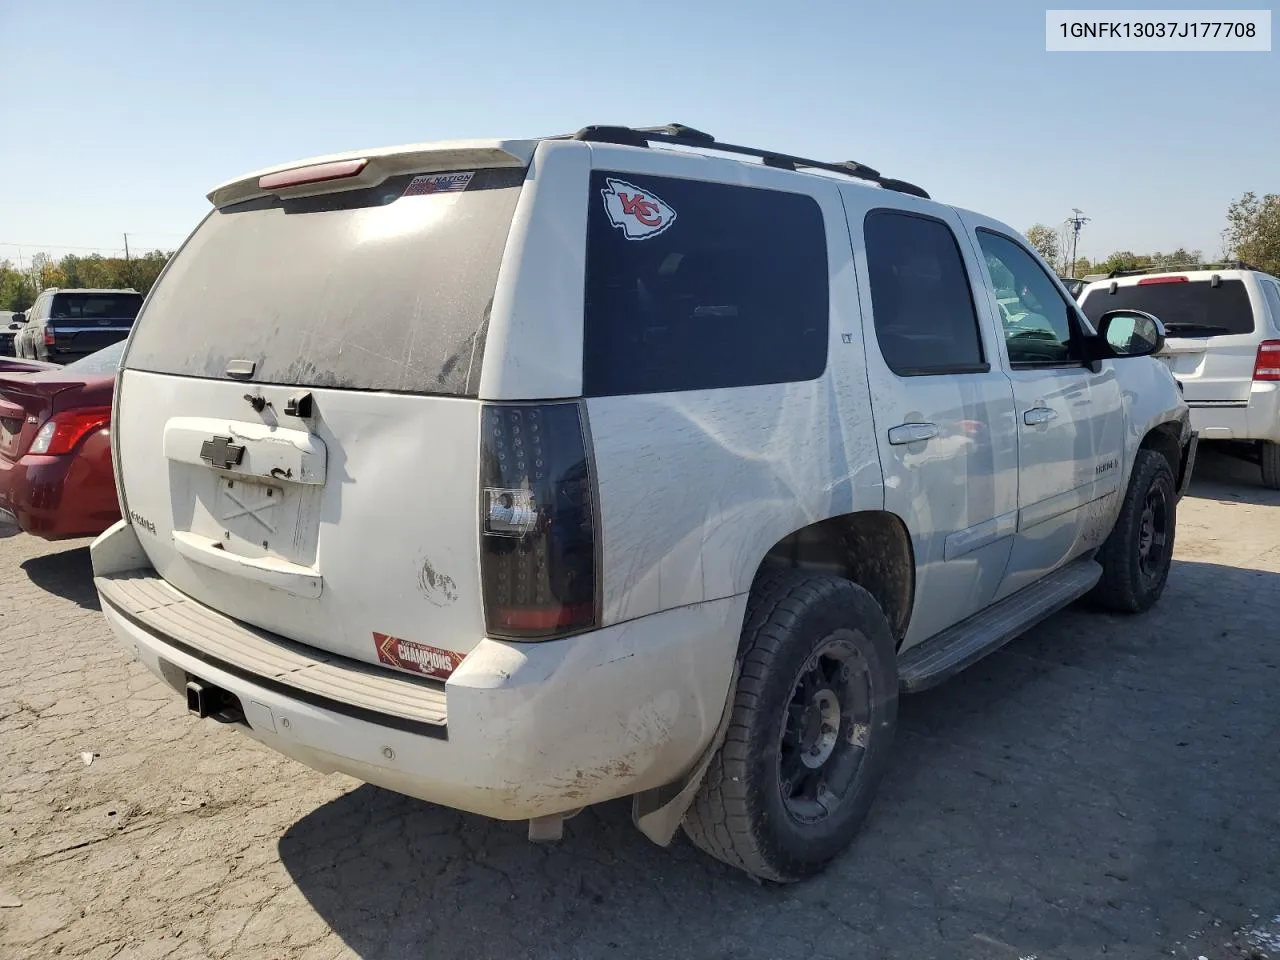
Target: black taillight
x=537, y=521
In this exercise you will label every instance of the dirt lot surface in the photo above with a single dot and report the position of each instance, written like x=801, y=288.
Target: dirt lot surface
x=1102, y=786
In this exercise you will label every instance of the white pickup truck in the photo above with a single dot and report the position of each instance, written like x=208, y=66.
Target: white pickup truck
x=524, y=475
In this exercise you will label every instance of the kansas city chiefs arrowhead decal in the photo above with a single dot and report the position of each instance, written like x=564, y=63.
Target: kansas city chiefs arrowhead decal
x=637, y=212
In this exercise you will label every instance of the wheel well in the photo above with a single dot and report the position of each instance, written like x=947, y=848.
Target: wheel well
x=1164, y=440
x=872, y=549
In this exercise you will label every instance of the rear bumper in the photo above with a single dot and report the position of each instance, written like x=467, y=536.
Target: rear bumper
x=1258, y=419
x=61, y=497
x=518, y=731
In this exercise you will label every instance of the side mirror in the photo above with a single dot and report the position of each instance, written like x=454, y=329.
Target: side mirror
x=19, y=318
x=1130, y=333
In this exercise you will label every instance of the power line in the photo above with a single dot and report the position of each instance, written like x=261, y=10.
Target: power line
x=53, y=246
x=1076, y=223
x=68, y=246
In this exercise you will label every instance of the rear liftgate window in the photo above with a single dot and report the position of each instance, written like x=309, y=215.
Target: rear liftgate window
x=1188, y=308
x=382, y=288
x=694, y=285
x=95, y=306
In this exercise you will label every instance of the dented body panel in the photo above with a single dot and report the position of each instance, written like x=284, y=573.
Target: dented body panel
x=356, y=521
x=515, y=743
x=351, y=534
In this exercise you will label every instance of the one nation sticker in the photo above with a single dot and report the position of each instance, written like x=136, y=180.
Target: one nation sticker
x=416, y=657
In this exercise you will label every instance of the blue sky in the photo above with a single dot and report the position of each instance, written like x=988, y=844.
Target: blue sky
x=119, y=117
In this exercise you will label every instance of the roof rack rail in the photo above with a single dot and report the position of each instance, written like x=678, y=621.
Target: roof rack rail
x=1175, y=267
x=677, y=134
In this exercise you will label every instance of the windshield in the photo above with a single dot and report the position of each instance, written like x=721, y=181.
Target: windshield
x=1186, y=308
x=106, y=360
x=95, y=306
x=384, y=288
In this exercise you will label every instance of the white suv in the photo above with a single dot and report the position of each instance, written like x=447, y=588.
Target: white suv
x=1223, y=346
x=523, y=475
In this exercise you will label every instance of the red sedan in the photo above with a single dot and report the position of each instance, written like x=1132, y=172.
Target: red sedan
x=56, y=479
x=18, y=365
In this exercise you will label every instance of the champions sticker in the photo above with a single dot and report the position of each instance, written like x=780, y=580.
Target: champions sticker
x=418, y=657
x=438, y=183
x=638, y=213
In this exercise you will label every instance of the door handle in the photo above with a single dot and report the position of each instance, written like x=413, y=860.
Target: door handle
x=1038, y=416
x=912, y=433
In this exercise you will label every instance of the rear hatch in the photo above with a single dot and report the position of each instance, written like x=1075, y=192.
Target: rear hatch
x=297, y=427
x=82, y=322
x=1212, y=336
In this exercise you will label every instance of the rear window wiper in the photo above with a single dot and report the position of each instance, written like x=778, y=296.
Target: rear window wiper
x=1205, y=328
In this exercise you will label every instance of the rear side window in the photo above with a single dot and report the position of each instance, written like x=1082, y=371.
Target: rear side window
x=95, y=306
x=920, y=295
x=384, y=288
x=693, y=285
x=1271, y=290
x=1188, y=308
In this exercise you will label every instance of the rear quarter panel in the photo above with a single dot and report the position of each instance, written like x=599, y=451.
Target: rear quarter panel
x=696, y=486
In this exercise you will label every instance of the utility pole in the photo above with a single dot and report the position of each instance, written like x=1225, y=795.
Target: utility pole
x=128, y=265
x=1075, y=223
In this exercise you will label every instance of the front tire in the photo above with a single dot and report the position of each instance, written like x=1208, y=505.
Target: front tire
x=1138, y=554
x=809, y=737
x=1271, y=465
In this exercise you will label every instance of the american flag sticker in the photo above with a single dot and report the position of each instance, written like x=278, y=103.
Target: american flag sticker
x=438, y=183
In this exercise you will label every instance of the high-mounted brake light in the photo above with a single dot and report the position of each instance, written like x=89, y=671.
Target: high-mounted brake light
x=61, y=432
x=538, y=523
x=316, y=173
x=1267, y=367
x=1148, y=281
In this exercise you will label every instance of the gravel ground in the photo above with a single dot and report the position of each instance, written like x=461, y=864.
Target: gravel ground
x=1102, y=786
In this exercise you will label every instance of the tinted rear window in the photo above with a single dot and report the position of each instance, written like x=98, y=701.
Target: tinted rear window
x=386, y=288
x=924, y=313
x=95, y=306
x=693, y=285
x=1191, y=309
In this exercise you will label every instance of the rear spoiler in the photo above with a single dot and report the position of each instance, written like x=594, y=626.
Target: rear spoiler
x=368, y=168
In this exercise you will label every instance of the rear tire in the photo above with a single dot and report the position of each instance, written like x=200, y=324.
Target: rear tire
x=1139, y=552
x=1271, y=465
x=808, y=741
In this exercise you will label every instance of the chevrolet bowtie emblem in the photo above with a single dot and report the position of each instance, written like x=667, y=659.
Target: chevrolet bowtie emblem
x=221, y=453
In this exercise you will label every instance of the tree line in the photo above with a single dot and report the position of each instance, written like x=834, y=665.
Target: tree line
x=1252, y=234
x=18, y=288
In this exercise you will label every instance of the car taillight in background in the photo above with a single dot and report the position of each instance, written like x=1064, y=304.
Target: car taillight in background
x=61, y=432
x=48, y=337
x=1267, y=366
x=538, y=521
x=1150, y=281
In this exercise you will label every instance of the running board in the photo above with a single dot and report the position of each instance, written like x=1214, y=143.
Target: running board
x=944, y=655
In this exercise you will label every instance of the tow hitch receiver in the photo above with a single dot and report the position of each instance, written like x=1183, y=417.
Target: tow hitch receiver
x=206, y=700
x=197, y=699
